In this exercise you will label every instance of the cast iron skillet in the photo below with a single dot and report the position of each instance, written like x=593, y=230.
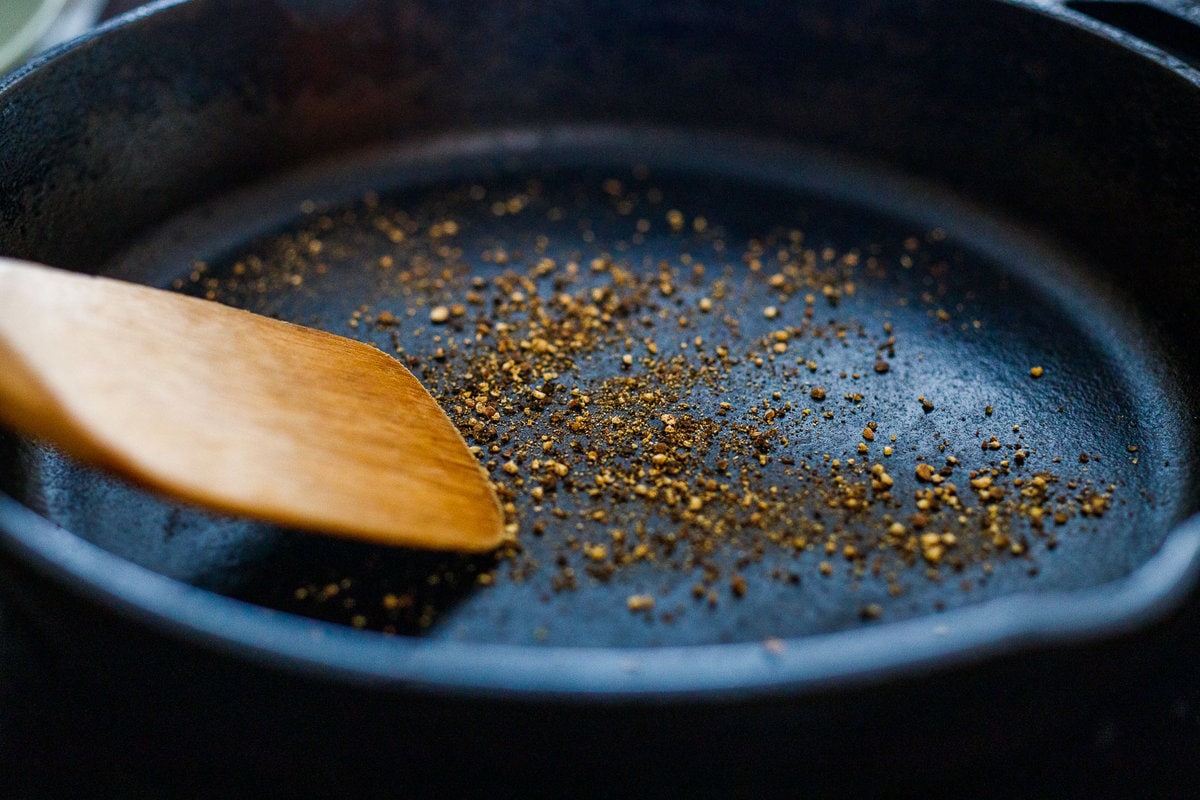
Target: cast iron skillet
x=203, y=130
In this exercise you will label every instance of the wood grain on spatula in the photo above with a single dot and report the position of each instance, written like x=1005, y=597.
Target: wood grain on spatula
x=237, y=412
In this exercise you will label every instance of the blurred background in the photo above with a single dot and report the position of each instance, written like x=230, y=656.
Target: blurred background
x=28, y=27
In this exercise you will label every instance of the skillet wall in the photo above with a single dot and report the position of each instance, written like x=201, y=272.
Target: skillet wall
x=1086, y=139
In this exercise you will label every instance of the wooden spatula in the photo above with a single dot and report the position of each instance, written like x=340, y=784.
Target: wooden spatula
x=237, y=412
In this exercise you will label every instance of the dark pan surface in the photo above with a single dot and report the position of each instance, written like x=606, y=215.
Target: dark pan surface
x=970, y=303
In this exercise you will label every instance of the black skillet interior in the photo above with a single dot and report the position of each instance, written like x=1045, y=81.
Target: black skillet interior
x=907, y=207
x=959, y=321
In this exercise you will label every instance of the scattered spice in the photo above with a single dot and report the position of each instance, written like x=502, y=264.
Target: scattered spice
x=639, y=602
x=624, y=431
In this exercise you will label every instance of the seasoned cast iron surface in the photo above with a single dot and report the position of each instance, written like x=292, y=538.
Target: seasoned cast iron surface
x=737, y=395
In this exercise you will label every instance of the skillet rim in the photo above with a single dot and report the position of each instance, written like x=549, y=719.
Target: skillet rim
x=328, y=651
